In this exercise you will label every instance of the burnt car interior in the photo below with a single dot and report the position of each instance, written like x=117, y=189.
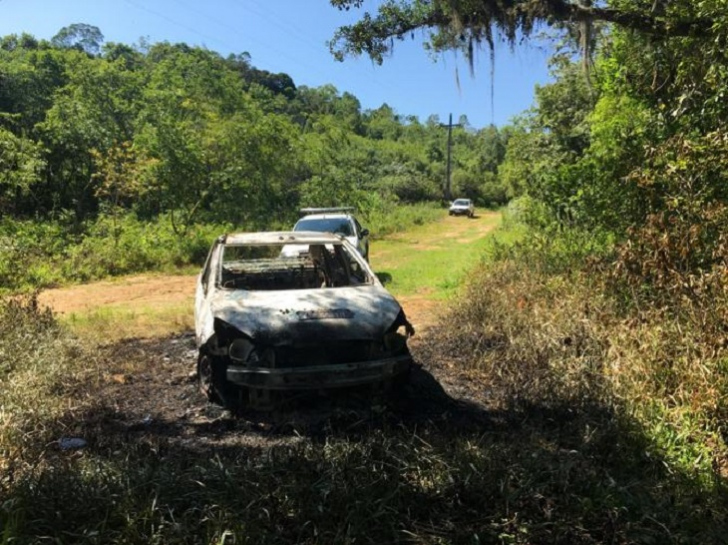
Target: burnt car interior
x=260, y=268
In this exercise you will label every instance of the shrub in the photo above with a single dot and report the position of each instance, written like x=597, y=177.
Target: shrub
x=544, y=328
x=383, y=218
x=38, y=255
x=39, y=361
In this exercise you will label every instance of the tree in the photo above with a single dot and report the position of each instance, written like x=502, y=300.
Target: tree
x=81, y=36
x=464, y=24
x=20, y=167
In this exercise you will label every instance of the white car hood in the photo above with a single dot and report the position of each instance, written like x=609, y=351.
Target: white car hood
x=285, y=317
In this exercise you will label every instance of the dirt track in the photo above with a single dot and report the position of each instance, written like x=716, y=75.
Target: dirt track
x=169, y=291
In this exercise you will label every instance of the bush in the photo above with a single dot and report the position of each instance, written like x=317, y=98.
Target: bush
x=384, y=217
x=546, y=328
x=38, y=255
x=39, y=362
x=131, y=246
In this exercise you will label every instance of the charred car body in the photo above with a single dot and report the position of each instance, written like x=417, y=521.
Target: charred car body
x=293, y=311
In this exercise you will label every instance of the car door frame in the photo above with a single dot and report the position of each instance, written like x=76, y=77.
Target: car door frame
x=206, y=282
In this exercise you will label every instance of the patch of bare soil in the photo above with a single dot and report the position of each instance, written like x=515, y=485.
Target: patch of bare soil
x=147, y=392
x=142, y=290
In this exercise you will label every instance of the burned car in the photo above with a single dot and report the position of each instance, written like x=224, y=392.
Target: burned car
x=293, y=311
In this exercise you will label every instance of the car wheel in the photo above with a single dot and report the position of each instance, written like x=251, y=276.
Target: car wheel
x=399, y=385
x=213, y=384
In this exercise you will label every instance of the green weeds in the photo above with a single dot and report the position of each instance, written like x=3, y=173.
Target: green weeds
x=551, y=333
x=425, y=260
x=386, y=220
x=36, y=255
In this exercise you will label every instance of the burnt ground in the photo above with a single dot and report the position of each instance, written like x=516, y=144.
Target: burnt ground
x=147, y=388
x=144, y=389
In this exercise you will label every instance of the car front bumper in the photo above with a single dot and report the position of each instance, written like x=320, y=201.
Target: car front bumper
x=320, y=376
x=460, y=211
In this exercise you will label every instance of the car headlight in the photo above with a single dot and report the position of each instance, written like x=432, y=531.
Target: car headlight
x=262, y=358
x=240, y=350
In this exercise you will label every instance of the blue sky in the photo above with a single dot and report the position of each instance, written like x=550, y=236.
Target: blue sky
x=290, y=36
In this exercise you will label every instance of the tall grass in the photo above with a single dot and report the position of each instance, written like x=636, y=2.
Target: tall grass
x=40, y=365
x=36, y=255
x=599, y=423
x=386, y=219
x=556, y=456
x=547, y=329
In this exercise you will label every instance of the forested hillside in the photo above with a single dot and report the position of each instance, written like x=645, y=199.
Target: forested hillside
x=157, y=147
x=629, y=142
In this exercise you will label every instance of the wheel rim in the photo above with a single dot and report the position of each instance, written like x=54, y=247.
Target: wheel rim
x=204, y=375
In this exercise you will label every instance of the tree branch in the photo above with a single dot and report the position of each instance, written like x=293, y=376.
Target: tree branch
x=452, y=23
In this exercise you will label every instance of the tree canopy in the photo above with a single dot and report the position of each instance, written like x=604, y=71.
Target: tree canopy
x=464, y=24
x=171, y=130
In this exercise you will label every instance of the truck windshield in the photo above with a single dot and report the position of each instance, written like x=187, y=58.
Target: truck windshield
x=341, y=226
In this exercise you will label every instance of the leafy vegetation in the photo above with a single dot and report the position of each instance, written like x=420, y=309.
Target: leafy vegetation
x=105, y=143
x=597, y=342
x=617, y=298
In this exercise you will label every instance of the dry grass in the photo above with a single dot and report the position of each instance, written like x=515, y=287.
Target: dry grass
x=113, y=323
x=558, y=341
x=596, y=425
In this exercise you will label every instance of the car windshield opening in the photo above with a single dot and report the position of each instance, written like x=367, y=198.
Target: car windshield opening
x=289, y=266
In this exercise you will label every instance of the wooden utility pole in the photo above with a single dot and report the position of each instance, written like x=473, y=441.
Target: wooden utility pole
x=450, y=125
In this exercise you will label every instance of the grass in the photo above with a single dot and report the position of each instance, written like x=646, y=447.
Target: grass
x=37, y=255
x=140, y=306
x=418, y=261
x=424, y=261
x=128, y=321
x=597, y=426
x=430, y=471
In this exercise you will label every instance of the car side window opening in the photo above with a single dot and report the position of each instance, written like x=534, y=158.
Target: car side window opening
x=333, y=266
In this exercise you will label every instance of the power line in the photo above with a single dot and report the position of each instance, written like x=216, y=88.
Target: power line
x=268, y=46
x=290, y=28
x=177, y=23
x=261, y=12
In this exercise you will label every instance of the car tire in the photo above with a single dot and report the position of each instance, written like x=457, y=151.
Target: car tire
x=213, y=384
